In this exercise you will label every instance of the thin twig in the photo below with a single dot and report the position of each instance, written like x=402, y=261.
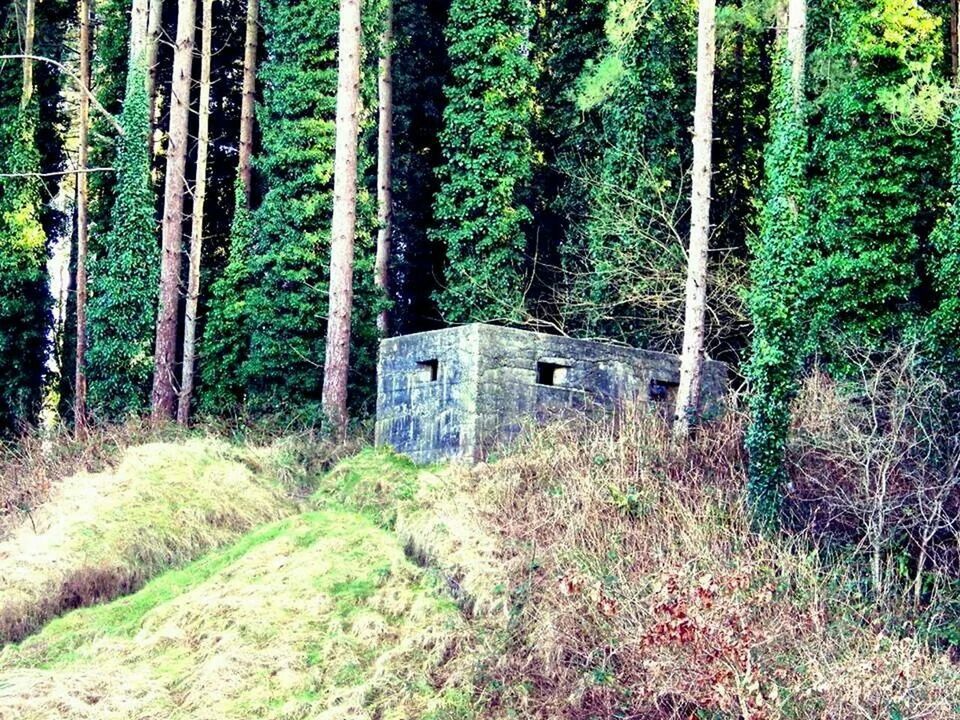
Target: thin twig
x=83, y=89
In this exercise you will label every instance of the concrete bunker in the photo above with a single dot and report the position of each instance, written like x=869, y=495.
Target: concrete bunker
x=455, y=393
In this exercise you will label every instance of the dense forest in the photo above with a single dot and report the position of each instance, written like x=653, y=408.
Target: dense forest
x=215, y=209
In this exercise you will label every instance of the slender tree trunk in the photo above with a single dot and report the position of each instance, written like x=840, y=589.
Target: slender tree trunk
x=164, y=395
x=344, y=222
x=384, y=174
x=955, y=37
x=152, y=46
x=83, y=124
x=797, y=44
x=29, y=32
x=691, y=361
x=139, y=24
x=248, y=102
x=196, y=235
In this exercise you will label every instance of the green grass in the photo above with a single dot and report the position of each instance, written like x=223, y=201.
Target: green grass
x=124, y=617
x=318, y=615
x=373, y=482
x=162, y=506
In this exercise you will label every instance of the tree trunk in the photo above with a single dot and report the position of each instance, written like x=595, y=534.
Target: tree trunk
x=83, y=125
x=384, y=175
x=139, y=23
x=797, y=44
x=29, y=32
x=344, y=222
x=248, y=103
x=164, y=379
x=196, y=235
x=955, y=38
x=154, y=23
x=691, y=361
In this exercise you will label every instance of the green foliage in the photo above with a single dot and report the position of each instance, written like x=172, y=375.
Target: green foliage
x=24, y=300
x=876, y=166
x=776, y=299
x=264, y=344
x=641, y=89
x=944, y=324
x=567, y=34
x=226, y=335
x=124, y=273
x=482, y=208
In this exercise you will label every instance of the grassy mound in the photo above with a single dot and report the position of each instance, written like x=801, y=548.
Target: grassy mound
x=598, y=571
x=104, y=534
x=607, y=572
x=317, y=616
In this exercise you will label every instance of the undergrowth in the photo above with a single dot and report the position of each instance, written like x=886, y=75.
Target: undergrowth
x=608, y=572
x=598, y=570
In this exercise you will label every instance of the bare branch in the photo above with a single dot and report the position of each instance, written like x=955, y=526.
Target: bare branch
x=59, y=173
x=66, y=71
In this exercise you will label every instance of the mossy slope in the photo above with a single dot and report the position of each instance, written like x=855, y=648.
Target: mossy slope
x=104, y=534
x=317, y=616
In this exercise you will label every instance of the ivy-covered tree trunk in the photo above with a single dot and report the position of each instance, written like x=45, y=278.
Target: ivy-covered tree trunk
x=264, y=342
x=343, y=227
x=24, y=304
x=123, y=275
x=691, y=359
x=165, y=354
x=780, y=259
x=878, y=153
x=942, y=336
x=482, y=209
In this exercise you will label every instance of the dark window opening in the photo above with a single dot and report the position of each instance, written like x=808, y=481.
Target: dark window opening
x=662, y=391
x=549, y=373
x=429, y=369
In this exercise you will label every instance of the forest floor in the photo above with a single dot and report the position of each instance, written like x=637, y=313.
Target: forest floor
x=592, y=572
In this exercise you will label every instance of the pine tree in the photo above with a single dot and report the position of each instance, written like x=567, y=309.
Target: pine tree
x=344, y=220
x=197, y=219
x=691, y=359
x=482, y=208
x=381, y=275
x=164, y=395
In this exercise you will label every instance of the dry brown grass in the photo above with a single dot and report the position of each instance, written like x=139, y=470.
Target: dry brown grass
x=620, y=578
x=33, y=464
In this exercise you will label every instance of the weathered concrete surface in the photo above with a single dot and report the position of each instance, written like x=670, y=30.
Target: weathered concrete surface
x=455, y=393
